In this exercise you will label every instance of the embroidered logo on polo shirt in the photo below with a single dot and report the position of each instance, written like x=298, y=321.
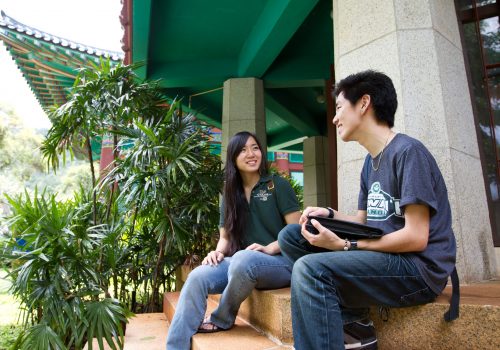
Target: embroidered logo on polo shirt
x=381, y=205
x=262, y=195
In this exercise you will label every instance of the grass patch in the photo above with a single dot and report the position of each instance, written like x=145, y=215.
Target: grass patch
x=8, y=335
x=9, y=307
x=9, y=312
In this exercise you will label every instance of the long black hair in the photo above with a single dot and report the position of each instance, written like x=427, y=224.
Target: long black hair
x=235, y=203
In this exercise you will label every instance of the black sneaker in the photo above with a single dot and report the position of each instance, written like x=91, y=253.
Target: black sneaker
x=360, y=335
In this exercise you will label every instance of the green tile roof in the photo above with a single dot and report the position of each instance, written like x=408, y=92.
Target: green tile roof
x=48, y=62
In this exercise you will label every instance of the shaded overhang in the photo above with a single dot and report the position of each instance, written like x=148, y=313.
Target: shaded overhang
x=193, y=46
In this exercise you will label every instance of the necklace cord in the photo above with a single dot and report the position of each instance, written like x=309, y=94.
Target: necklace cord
x=381, y=154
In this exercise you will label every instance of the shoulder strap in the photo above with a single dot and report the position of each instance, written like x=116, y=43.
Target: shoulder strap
x=453, y=312
x=270, y=184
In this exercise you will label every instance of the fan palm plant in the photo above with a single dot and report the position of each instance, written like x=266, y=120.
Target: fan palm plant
x=55, y=277
x=155, y=205
x=172, y=181
x=168, y=179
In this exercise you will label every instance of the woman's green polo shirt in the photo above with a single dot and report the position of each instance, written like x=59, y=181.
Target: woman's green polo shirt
x=271, y=199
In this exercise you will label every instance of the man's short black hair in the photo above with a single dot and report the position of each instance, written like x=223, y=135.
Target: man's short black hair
x=380, y=88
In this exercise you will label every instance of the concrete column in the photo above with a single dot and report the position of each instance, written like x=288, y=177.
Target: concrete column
x=316, y=168
x=243, y=110
x=417, y=43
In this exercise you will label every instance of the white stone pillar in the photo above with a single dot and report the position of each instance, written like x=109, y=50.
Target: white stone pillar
x=316, y=168
x=417, y=43
x=243, y=110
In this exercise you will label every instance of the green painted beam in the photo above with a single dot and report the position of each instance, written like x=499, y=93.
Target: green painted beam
x=57, y=66
x=292, y=113
x=298, y=71
x=295, y=148
x=141, y=21
x=276, y=25
x=188, y=73
x=294, y=82
x=207, y=113
x=286, y=138
x=204, y=117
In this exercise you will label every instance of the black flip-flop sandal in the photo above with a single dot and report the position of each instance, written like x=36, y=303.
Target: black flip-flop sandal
x=210, y=328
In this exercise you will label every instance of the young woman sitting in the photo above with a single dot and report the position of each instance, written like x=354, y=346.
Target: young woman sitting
x=255, y=207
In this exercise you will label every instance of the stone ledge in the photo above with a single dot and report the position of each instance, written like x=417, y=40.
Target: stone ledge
x=419, y=327
x=269, y=312
x=146, y=331
x=423, y=327
x=242, y=335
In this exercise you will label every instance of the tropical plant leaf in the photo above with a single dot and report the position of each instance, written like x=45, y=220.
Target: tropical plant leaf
x=41, y=337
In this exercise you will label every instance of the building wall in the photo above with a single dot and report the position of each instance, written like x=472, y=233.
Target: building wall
x=417, y=43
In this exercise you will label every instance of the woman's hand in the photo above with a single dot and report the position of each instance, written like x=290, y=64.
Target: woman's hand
x=315, y=211
x=324, y=239
x=213, y=258
x=270, y=249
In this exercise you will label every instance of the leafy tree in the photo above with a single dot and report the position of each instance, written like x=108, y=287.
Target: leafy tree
x=19, y=154
x=22, y=166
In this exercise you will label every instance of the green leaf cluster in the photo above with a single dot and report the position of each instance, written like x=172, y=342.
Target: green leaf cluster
x=52, y=252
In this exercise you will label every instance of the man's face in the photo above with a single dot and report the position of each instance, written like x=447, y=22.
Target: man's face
x=347, y=118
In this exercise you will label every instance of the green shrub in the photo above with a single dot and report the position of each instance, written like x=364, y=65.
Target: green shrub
x=54, y=253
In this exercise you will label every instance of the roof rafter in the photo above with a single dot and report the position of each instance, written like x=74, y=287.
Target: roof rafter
x=276, y=25
x=293, y=114
x=141, y=31
x=286, y=139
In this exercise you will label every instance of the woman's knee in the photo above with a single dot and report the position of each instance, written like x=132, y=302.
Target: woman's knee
x=198, y=278
x=242, y=262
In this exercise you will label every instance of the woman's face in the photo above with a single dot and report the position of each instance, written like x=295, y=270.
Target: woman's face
x=250, y=157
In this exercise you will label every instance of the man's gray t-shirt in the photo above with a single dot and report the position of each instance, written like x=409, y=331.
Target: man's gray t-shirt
x=408, y=174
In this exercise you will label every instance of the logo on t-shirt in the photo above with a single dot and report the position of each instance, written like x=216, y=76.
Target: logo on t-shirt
x=262, y=195
x=381, y=205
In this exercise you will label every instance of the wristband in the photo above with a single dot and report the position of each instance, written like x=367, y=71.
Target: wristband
x=354, y=245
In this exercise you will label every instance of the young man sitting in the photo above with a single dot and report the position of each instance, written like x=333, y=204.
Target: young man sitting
x=402, y=192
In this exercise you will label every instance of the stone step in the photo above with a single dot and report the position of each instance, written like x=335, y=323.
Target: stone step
x=420, y=327
x=423, y=327
x=266, y=310
x=269, y=312
x=144, y=331
x=241, y=336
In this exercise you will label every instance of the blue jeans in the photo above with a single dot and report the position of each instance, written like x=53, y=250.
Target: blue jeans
x=333, y=288
x=234, y=277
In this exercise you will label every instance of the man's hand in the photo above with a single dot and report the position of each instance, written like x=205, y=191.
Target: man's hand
x=213, y=258
x=315, y=211
x=324, y=239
